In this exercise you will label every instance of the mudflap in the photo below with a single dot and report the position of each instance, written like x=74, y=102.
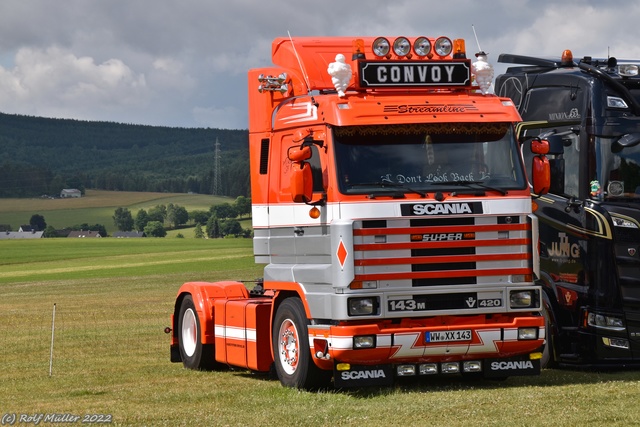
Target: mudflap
x=511, y=367
x=363, y=376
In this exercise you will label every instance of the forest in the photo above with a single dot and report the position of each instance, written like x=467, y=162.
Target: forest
x=41, y=156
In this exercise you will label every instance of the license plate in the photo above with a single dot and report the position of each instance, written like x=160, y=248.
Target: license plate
x=448, y=336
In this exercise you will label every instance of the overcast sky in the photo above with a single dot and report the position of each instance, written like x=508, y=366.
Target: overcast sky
x=183, y=62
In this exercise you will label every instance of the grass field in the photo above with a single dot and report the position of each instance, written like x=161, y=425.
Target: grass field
x=113, y=298
x=97, y=207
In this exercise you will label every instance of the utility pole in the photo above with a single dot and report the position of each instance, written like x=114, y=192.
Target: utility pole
x=216, y=169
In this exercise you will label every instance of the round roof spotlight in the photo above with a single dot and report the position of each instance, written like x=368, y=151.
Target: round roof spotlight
x=443, y=46
x=381, y=46
x=422, y=46
x=401, y=46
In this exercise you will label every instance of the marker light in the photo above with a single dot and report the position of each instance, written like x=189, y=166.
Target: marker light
x=422, y=46
x=381, y=46
x=443, y=46
x=459, y=50
x=401, y=46
x=357, y=48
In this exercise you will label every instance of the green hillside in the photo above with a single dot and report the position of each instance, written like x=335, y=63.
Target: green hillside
x=42, y=156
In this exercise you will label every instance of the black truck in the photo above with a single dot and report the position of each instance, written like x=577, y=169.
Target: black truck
x=589, y=222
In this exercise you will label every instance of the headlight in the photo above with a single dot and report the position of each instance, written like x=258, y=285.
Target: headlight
x=443, y=46
x=629, y=70
x=362, y=306
x=606, y=322
x=616, y=102
x=523, y=299
x=381, y=46
x=401, y=46
x=623, y=222
x=422, y=46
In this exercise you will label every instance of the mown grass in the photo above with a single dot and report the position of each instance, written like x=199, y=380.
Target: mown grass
x=113, y=298
x=96, y=207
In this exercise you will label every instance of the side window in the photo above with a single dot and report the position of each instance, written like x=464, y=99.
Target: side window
x=572, y=166
x=316, y=169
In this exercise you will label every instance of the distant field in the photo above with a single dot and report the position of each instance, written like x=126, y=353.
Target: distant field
x=97, y=207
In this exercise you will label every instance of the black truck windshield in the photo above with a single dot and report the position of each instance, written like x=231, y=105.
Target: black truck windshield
x=423, y=158
x=617, y=172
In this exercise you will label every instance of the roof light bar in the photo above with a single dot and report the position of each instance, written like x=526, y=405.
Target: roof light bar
x=421, y=47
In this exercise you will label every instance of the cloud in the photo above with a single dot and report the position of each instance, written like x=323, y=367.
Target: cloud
x=163, y=62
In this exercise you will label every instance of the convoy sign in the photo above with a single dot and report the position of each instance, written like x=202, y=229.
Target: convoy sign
x=414, y=73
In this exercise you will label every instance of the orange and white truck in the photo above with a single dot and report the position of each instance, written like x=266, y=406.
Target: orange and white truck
x=393, y=213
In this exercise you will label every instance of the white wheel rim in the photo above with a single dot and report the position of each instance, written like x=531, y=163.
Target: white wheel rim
x=288, y=350
x=189, y=332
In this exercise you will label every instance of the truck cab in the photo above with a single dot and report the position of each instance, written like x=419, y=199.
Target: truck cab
x=589, y=110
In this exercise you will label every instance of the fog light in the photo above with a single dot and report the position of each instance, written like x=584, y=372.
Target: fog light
x=450, y=368
x=428, y=369
x=472, y=366
x=406, y=370
x=616, y=342
x=365, y=341
x=528, y=333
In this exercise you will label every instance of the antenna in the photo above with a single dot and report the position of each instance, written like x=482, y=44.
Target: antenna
x=476, y=36
x=304, y=72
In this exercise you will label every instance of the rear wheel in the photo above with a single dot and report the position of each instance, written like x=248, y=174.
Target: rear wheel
x=293, y=364
x=195, y=355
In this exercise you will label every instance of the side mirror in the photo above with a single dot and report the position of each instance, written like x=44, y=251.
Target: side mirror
x=301, y=186
x=539, y=146
x=541, y=174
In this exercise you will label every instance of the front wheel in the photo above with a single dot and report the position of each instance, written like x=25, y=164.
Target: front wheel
x=292, y=357
x=548, y=352
x=194, y=354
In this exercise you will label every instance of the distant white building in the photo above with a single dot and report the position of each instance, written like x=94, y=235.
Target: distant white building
x=70, y=192
x=21, y=235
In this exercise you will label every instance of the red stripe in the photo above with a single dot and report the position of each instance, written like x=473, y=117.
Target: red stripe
x=442, y=259
x=442, y=274
x=443, y=244
x=440, y=229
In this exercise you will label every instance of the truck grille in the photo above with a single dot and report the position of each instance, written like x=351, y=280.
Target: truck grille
x=442, y=251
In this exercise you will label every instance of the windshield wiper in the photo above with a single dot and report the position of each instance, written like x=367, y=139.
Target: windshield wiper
x=391, y=185
x=470, y=183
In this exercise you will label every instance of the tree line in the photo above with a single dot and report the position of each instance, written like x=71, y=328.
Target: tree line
x=43, y=156
x=218, y=221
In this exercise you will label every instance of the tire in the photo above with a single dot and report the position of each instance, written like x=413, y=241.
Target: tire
x=194, y=354
x=548, y=351
x=290, y=337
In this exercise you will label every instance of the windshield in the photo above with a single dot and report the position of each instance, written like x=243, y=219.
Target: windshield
x=427, y=157
x=617, y=172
